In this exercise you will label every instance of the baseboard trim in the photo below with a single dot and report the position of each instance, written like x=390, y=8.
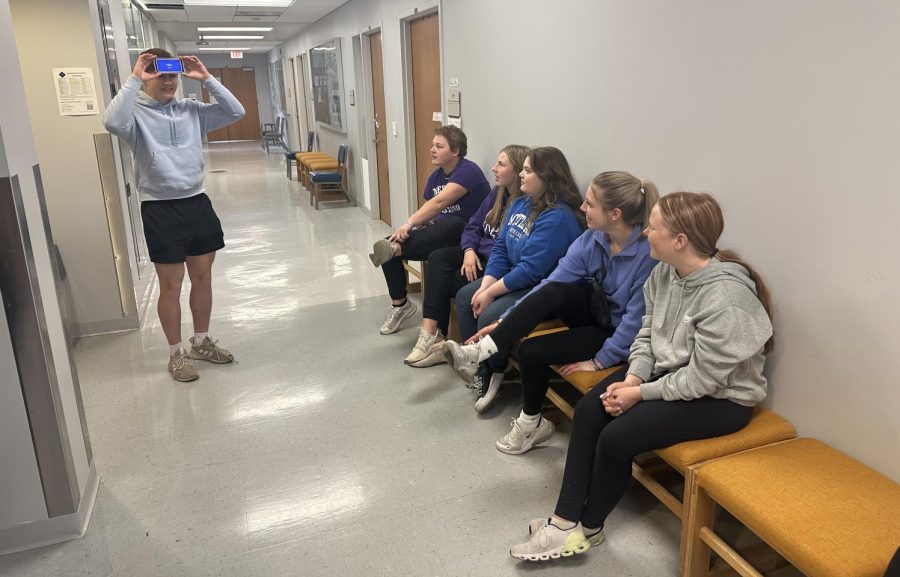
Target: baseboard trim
x=44, y=532
x=131, y=323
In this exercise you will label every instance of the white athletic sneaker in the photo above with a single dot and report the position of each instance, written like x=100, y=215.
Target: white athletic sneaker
x=462, y=358
x=519, y=441
x=486, y=385
x=550, y=542
x=396, y=316
x=423, y=346
x=595, y=538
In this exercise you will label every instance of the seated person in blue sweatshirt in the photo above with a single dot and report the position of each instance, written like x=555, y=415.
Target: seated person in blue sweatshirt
x=612, y=252
x=449, y=269
x=539, y=228
x=452, y=194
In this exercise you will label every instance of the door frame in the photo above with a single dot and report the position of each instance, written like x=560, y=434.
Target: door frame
x=421, y=11
x=366, y=102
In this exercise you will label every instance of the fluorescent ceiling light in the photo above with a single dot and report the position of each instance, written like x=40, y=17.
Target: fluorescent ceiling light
x=274, y=3
x=224, y=49
x=234, y=29
x=233, y=37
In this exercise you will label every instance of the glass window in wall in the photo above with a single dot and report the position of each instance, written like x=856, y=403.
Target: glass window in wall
x=137, y=29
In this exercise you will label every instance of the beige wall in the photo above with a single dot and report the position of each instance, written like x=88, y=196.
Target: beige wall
x=786, y=111
x=51, y=34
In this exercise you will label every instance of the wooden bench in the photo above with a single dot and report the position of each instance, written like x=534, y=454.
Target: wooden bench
x=824, y=512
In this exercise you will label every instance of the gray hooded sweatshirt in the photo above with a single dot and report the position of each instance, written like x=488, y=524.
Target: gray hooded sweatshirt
x=704, y=334
x=167, y=139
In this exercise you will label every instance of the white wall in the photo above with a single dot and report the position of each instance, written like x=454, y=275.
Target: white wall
x=786, y=111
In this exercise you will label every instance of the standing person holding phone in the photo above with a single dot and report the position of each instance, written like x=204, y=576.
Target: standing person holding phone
x=182, y=230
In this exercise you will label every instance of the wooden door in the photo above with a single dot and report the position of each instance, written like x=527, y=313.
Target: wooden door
x=425, y=61
x=381, y=157
x=241, y=82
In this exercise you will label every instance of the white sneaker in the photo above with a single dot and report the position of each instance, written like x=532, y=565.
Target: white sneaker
x=435, y=356
x=519, y=441
x=486, y=385
x=594, y=538
x=462, y=358
x=550, y=542
x=423, y=346
x=396, y=316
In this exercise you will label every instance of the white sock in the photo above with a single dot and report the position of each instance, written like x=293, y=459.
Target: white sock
x=486, y=348
x=198, y=338
x=174, y=348
x=529, y=422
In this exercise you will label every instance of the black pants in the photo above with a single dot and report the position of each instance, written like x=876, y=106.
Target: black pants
x=568, y=302
x=601, y=447
x=420, y=244
x=442, y=281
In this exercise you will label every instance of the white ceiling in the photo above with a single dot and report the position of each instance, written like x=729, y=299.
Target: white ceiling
x=180, y=22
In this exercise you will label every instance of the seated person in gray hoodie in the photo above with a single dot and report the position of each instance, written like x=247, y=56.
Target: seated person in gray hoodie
x=695, y=371
x=182, y=230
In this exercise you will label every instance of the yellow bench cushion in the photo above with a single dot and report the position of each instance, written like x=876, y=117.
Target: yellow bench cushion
x=301, y=156
x=826, y=513
x=764, y=428
x=321, y=164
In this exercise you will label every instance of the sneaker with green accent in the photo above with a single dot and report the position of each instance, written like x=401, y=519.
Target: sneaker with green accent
x=208, y=350
x=548, y=541
x=520, y=440
x=594, y=538
x=182, y=367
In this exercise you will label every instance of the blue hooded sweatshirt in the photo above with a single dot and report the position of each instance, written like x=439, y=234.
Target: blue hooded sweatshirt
x=167, y=139
x=524, y=254
x=626, y=273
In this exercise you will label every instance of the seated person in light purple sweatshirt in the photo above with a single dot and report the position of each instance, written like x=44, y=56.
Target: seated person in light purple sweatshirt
x=449, y=269
x=695, y=372
x=615, y=253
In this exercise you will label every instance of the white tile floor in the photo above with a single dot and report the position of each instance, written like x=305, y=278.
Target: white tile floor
x=319, y=453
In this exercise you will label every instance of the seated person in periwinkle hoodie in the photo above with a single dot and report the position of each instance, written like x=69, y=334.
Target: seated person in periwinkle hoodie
x=182, y=230
x=615, y=253
x=539, y=228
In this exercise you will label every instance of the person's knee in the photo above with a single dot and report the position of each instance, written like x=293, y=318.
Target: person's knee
x=614, y=443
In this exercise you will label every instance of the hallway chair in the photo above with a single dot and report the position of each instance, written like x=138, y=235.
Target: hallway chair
x=290, y=157
x=330, y=182
x=273, y=133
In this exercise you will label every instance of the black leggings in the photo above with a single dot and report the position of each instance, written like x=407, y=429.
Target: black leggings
x=442, y=281
x=568, y=302
x=421, y=242
x=601, y=447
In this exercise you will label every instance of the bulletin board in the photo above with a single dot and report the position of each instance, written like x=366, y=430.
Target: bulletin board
x=328, y=84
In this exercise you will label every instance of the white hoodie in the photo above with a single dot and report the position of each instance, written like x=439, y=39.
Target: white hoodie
x=704, y=334
x=167, y=139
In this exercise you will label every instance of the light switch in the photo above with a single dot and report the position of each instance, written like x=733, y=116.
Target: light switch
x=453, y=104
x=394, y=129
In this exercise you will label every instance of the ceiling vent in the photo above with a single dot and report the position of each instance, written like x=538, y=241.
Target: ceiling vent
x=261, y=13
x=163, y=6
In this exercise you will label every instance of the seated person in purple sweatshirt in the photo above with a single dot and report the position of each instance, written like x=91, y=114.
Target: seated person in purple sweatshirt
x=452, y=194
x=612, y=252
x=450, y=269
x=539, y=228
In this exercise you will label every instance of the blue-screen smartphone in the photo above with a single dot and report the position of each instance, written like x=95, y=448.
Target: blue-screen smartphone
x=166, y=66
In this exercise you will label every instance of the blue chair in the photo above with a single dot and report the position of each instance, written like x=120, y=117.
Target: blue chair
x=290, y=157
x=330, y=182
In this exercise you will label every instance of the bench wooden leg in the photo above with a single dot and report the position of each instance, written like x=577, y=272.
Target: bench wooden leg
x=697, y=517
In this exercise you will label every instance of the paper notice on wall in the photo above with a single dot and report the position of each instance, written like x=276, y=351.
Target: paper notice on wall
x=437, y=117
x=457, y=122
x=75, y=91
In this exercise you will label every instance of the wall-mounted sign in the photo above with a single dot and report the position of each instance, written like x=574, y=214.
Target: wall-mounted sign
x=75, y=92
x=328, y=84
x=237, y=54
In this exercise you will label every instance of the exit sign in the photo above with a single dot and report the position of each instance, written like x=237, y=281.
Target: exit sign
x=237, y=54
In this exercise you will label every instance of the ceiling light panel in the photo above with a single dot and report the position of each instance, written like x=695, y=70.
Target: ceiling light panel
x=273, y=3
x=234, y=29
x=233, y=37
x=240, y=48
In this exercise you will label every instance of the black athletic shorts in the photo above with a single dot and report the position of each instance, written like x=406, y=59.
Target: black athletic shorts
x=176, y=229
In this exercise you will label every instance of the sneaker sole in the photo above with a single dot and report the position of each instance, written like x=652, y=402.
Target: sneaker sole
x=565, y=550
x=187, y=380
x=485, y=402
x=209, y=360
x=382, y=254
x=412, y=311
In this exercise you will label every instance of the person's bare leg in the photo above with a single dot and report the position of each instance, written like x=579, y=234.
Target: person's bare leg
x=430, y=325
x=199, y=270
x=168, y=307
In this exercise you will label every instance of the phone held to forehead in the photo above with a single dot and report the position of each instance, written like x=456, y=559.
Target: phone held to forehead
x=166, y=66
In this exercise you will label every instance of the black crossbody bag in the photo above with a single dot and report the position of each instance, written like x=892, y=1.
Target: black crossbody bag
x=599, y=306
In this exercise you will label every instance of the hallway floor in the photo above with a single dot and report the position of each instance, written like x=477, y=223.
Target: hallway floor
x=319, y=452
